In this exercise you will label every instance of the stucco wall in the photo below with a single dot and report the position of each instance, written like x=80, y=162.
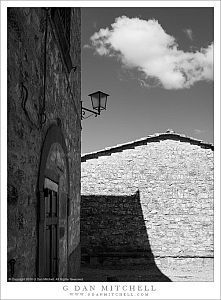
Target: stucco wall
x=175, y=183
x=26, y=54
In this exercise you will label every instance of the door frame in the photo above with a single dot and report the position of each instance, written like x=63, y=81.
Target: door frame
x=53, y=186
x=54, y=135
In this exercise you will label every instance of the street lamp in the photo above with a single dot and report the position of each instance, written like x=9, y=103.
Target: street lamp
x=99, y=102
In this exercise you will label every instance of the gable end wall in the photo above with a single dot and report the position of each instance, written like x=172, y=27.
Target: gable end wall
x=175, y=182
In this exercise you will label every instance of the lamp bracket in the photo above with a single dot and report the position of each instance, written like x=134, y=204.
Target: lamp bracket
x=83, y=112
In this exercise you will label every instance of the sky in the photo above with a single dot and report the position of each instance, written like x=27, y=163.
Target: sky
x=157, y=66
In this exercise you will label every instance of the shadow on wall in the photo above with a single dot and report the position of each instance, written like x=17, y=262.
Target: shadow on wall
x=114, y=240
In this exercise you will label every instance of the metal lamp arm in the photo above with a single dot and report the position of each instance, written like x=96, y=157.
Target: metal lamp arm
x=92, y=111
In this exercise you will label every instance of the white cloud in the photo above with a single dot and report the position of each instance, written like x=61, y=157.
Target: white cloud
x=189, y=33
x=145, y=45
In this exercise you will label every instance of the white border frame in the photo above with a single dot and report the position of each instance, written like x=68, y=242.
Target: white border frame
x=173, y=290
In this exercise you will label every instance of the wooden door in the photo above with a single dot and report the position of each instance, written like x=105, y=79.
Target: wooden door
x=51, y=226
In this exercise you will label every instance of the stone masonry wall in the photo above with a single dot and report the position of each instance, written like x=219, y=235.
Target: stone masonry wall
x=26, y=53
x=175, y=183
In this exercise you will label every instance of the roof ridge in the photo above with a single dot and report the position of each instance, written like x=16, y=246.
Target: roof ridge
x=150, y=138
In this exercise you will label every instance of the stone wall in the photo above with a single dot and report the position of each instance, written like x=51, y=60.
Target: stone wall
x=175, y=184
x=113, y=223
x=39, y=95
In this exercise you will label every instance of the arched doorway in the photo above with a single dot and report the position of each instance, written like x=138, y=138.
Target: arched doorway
x=53, y=189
